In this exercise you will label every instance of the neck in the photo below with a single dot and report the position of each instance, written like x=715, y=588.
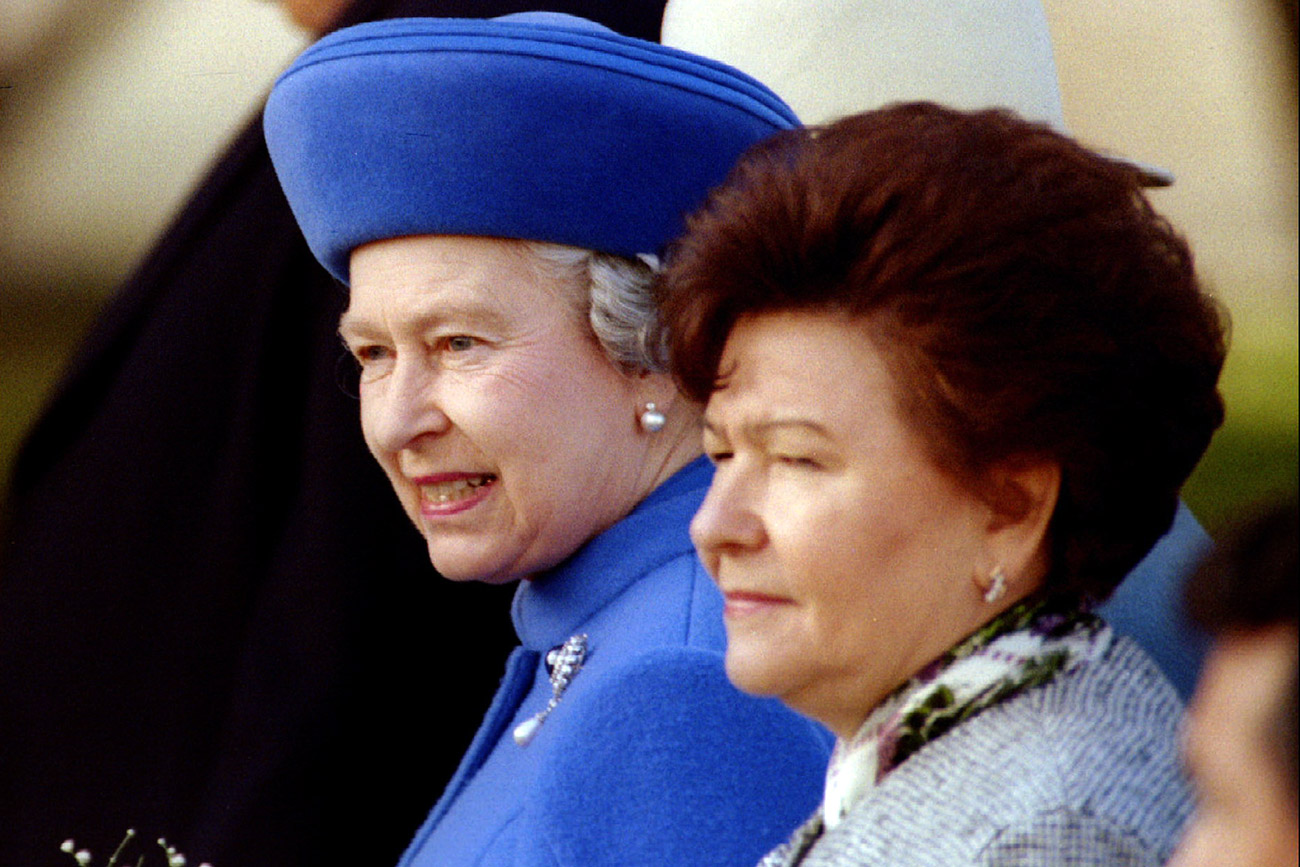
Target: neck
x=679, y=443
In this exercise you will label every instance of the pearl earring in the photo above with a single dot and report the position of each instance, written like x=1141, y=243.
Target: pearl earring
x=997, y=585
x=652, y=420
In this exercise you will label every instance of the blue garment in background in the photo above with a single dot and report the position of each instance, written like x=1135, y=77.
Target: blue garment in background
x=1148, y=605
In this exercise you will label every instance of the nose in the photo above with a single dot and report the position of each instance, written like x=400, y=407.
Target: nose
x=402, y=407
x=729, y=521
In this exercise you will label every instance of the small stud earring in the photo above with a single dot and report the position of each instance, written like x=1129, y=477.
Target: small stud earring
x=652, y=420
x=997, y=586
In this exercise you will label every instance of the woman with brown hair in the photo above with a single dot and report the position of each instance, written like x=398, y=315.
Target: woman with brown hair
x=955, y=371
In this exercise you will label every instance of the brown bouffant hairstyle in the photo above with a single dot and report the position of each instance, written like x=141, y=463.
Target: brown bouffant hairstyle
x=1028, y=300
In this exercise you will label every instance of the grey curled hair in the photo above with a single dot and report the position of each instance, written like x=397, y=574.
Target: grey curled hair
x=620, y=302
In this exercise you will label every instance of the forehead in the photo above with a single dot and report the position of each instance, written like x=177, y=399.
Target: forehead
x=815, y=364
x=435, y=275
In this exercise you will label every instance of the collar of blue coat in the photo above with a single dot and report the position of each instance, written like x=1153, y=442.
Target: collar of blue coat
x=555, y=604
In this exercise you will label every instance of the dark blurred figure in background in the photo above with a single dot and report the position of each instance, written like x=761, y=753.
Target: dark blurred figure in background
x=1241, y=730
x=201, y=636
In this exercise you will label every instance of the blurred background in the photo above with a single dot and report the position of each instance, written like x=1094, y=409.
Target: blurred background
x=109, y=114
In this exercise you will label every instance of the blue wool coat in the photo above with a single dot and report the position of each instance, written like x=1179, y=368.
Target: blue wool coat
x=651, y=757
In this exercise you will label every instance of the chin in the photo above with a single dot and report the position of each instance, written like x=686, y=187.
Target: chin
x=474, y=576
x=459, y=569
x=750, y=675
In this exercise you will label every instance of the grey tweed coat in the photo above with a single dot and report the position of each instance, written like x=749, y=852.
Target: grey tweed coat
x=1081, y=771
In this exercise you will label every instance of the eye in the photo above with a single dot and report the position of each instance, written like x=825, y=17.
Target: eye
x=371, y=353
x=374, y=360
x=460, y=342
x=798, y=461
x=715, y=447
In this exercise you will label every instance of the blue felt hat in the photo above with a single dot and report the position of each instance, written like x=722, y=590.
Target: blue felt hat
x=544, y=127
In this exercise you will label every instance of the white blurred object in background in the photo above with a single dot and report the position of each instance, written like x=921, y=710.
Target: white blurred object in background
x=109, y=115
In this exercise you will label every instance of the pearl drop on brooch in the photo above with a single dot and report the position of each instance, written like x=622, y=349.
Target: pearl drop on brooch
x=525, y=730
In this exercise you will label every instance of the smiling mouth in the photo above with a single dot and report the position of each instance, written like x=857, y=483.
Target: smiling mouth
x=454, y=490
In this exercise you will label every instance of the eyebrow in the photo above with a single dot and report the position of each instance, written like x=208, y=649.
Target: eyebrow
x=766, y=427
x=350, y=322
x=477, y=314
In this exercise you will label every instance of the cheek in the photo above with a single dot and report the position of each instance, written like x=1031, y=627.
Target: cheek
x=848, y=613
x=370, y=414
x=827, y=555
x=865, y=569
x=549, y=397
x=370, y=411
x=837, y=533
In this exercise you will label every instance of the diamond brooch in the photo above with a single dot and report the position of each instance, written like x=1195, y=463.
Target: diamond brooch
x=564, y=663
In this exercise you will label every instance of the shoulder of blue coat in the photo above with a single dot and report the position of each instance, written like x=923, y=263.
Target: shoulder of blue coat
x=664, y=762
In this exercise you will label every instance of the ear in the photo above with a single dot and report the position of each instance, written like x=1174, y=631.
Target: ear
x=681, y=416
x=1023, y=495
x=657, y=388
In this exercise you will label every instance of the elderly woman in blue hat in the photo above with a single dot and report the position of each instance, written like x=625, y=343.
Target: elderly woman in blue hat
x=495, y=194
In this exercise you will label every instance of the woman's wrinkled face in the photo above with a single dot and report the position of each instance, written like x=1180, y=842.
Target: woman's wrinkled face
x=507, y=434
x=845, y=556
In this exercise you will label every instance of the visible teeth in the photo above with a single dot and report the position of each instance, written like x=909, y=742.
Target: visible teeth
x=447, y=492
